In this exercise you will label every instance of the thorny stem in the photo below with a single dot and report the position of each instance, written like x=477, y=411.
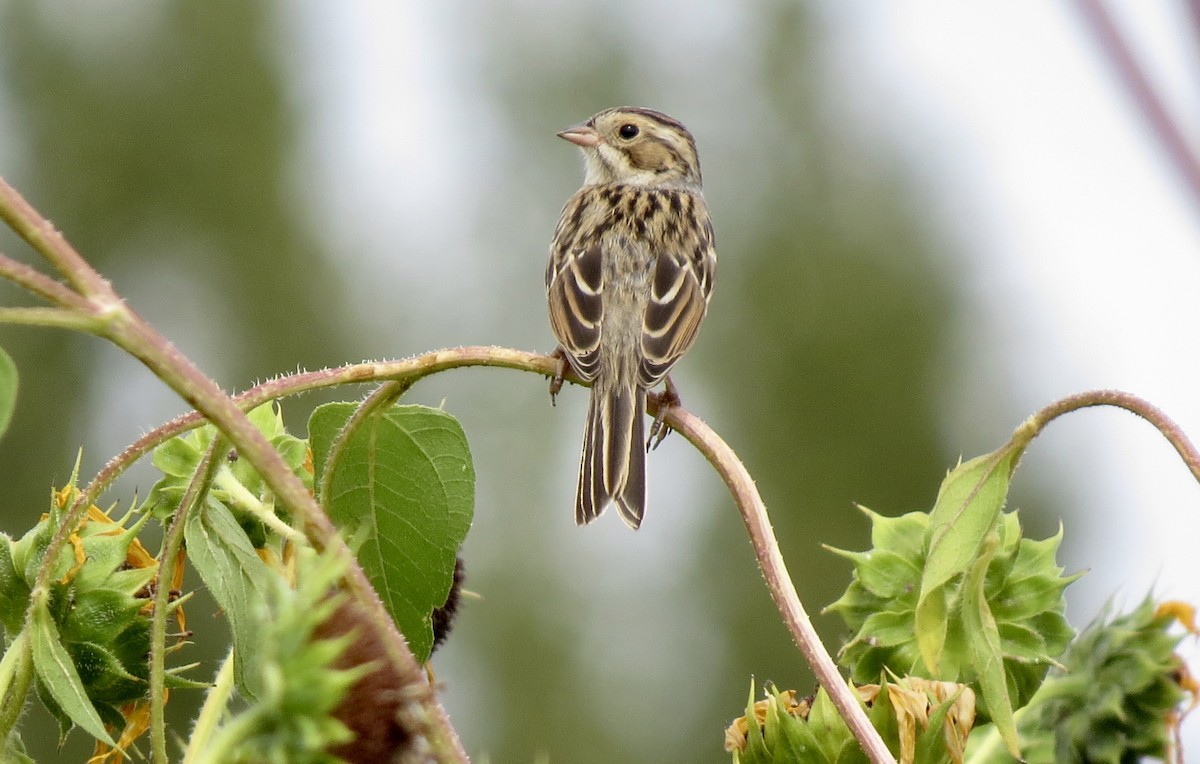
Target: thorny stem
x=119, y=324
x=123, y=327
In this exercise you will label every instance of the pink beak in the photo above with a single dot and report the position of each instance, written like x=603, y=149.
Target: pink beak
x=581, y=135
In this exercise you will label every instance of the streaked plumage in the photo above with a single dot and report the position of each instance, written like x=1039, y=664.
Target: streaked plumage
x=630, y=274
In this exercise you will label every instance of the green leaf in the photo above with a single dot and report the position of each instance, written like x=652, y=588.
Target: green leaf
x=403, y=483
x=57, y=672
x=983, y=641
x=968, y=507
x=226, y=561
x=8, y=390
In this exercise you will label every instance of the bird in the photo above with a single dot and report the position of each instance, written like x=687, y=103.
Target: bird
x=631, y=271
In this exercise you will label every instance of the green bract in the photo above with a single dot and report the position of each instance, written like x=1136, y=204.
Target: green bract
x=236, y=481
x=1021, y=591
x=1115, y=697
x=91, y=637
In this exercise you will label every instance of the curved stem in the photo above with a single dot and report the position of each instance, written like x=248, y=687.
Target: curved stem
x=118, y=323
x=779, y=582
x=409, y=370
x=382, y=397
x=1122, y=400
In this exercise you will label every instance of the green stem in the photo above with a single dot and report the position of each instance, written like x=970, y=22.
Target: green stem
x=241, y=497
x=16, y=673
x=60, y=318
x=210, y=714
x=172, y=543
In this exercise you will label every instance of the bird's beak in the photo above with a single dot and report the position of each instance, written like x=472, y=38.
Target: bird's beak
x=581, y=135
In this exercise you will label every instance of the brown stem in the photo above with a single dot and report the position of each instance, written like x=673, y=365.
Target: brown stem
x=1112, y=43
x=41, y=234
x=779, y=582
x=115, y=321
x=30, y=278
x=766, y=548
x=1131, y=403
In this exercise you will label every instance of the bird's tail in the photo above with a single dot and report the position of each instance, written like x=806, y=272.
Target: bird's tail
x=612, y=467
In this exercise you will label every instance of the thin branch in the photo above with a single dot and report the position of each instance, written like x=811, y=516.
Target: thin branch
x=1145, y=96
x=123, y=327
x=718, y=453
x=41, y=234
x=31, y=279
x=779, y=582
x=369, y=372
x=61, y=318
x=1122, y=400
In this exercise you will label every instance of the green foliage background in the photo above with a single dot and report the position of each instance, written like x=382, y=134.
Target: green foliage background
x=166, y=141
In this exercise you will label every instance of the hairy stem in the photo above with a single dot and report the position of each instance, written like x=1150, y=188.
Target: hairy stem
x=162, y=597
x=119, y=324
x=210, y=714
x=779, y=582
x=1122, y=400
x=34, y=281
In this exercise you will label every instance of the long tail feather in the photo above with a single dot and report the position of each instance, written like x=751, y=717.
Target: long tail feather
x=613, y=462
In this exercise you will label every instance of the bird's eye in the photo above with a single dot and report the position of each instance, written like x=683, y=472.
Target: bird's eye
x=628, y=131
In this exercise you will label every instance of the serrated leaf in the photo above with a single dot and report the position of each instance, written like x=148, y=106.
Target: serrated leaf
x=904, y=535
x=225, y=559
x=54, y=667
x=403, y=482
x=8, y=390
x=968, y=507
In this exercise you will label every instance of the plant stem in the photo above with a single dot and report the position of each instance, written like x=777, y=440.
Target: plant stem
x=41, y=234
x=1131, y=403
x=779, y=582
x=766, y=547
x=172, y=543
x=124, y=328
x=210, y=713
x=61, y=318
x=31, y=279
x=1148, y=100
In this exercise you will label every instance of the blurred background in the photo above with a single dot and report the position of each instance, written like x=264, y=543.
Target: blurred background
x=933, y=218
